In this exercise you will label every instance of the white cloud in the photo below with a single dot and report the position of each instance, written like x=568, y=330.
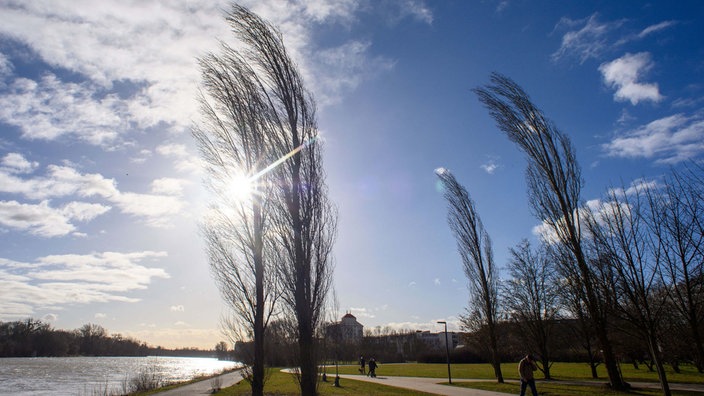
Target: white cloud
x=152, y=48
x=49, y=109
x=100, y=315
x=589, y=40
x=50, y=317
x=491, y=165
x=43, y=220
x=417, y=10
x=412, y=284
x=655, y=28
x=155, y=209
x=168, y=186
x=177, y=308
x=341, y=69
x=624, y=73
x=668, y=140
x=436, y=281
x=17, y=163
x=637, y=185
x=58, y=281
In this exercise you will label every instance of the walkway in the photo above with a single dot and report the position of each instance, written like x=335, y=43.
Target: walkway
x=204, y=387
x=428, y=385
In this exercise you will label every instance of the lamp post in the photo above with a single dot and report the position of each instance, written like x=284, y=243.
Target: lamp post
x=447, y=352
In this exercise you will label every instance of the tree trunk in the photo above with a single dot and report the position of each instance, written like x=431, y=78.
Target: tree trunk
x=495, y=359
x=655, y=354
x=307, y=360
x=258, y=366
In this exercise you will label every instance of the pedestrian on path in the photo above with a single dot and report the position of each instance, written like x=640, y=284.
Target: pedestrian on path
x=372, y=368
x=525, y=370
x=361, y=365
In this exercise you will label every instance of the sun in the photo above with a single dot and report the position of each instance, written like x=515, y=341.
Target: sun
x=239, y=188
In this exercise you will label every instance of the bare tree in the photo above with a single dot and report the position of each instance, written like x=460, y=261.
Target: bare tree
x=619, y=228
x=235, y=144
x=677, y=223
x=554, y=187
x=474, y=246
x=531, y=297
x=303, y=219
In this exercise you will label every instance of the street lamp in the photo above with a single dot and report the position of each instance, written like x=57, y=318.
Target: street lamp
x=447, y=352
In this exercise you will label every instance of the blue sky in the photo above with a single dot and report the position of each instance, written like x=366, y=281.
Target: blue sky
x=100, y=183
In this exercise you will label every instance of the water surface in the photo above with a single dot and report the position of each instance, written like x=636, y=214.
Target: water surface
x=92, y=375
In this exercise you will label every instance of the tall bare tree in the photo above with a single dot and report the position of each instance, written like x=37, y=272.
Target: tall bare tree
x=303, y=219
x=260, y=123
x=474, y=246
x=622, y=238
x=531, y=297
x=554, y=187
x=234, y=142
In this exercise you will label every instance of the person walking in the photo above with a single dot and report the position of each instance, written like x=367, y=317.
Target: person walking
x=361, y=365
x=526, y=367
x=372, y=368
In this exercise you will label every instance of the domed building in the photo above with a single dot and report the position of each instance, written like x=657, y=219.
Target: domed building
x=347, y=330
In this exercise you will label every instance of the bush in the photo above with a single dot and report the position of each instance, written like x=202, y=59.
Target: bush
x=147, y=378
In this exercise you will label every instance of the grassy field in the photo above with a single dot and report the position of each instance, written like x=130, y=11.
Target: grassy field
x=560, y=371
x=282, y=384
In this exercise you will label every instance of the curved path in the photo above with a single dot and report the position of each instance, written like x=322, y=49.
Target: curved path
x=205, y=387
x=423, y=384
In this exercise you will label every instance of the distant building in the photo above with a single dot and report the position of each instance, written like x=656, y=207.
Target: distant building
x=347, y=330
x=437, y=340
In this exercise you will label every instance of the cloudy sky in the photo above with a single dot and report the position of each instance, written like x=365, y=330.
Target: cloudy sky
x=100, y=185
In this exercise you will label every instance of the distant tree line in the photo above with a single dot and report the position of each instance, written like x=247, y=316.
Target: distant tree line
x=32, y=338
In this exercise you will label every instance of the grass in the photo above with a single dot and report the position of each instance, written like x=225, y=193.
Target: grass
x=559, y=371
x=281, y=384
x=561, y=389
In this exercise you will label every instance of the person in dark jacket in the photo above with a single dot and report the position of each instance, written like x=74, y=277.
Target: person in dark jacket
x=372, y=367
x=525, y=370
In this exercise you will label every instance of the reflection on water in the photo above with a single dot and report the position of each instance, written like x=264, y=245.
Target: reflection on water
x=86, y=375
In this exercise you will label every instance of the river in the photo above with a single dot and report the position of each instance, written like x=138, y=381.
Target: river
x=88, y=376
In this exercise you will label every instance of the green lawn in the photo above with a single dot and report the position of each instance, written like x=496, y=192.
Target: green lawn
x=558, y=389
x=560, y=371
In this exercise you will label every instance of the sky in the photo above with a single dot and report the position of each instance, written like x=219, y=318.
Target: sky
x=101, y=190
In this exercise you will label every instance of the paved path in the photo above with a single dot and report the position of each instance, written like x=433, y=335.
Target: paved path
x=204, y=387
x=428, y=385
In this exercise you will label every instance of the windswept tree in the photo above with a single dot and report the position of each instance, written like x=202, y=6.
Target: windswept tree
x=531, y=298
x=303, y=220
x=554, y=187
x=259, y=135
x=234, y=138
x=474, y=246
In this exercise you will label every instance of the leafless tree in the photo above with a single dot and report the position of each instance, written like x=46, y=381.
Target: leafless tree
x=474, y=246
x=554, y=187
x=676, y=222
x=622, y=238
x=531, y=297
x=234, y=141
x=260, y=123
x=303, y=219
